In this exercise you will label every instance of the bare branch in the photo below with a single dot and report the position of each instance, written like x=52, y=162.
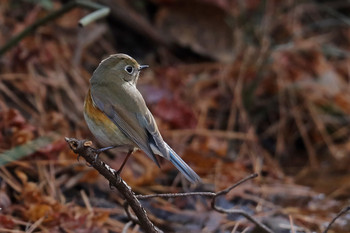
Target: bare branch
x=343, y=211
x=213, y=205
x=225, y=191
x=171, y=195
x=82, y=148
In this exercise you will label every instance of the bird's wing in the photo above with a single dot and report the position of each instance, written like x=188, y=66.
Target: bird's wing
x=127, y=121
x=160, y=147
x=155, y=139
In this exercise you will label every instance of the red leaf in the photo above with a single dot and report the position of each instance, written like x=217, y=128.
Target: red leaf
x=178, y=114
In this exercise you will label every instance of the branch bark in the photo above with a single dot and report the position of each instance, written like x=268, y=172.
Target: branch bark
x=83, y=148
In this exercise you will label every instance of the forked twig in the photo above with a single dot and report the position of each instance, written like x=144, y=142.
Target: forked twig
x=213, y=201
x=83, y=148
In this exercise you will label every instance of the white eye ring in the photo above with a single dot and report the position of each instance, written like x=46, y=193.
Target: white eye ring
x=129, y=69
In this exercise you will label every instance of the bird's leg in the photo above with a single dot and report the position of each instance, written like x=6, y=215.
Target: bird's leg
x=99, y=151
x=124, y=162
x=105, y=148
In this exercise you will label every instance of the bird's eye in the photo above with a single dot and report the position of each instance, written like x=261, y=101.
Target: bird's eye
x=129, y=69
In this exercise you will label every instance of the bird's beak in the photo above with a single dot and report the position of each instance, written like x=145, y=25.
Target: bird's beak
x=141, y=67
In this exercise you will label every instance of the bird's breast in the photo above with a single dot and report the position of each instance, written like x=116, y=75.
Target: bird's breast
x=105, y=131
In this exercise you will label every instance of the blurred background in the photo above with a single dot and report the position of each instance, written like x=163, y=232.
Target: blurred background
x=236, y=87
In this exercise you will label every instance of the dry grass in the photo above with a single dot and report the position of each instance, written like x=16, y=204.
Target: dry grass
x=276, y=102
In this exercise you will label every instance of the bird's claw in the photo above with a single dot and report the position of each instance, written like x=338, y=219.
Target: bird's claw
x=111, y=186
x=96, y=156
x=117, y=173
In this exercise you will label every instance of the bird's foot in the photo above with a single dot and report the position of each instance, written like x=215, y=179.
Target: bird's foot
x=124, y=162
x=99, y=151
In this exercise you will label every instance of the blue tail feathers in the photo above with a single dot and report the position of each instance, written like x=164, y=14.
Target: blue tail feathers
x=183, y=167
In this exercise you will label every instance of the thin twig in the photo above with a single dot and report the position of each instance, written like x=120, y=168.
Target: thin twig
x=237, y=211
x=291, y=224
x=126, y=227
x=225, y=191
x=343, y=211
x=98, y=14
x=213, y=205
x=171, y=195
x=133, y=218
x=35, y=225
x=129, y=214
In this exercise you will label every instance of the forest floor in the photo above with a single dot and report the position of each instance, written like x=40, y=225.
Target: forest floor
x=236, y=87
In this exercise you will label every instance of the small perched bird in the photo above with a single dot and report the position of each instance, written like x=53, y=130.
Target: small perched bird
x=117, y=115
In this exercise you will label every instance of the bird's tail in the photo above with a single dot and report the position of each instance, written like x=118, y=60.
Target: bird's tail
x=183, y=167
